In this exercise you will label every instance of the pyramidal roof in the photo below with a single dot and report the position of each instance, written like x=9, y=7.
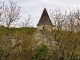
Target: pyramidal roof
x=44, y=20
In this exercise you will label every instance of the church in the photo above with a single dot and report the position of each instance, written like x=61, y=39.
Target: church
x=43, y=35
x=44, y=22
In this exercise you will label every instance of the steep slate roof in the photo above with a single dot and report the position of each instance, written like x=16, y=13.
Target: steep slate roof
x=44, y=20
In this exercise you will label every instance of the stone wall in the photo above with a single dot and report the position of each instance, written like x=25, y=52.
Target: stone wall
x=43, y=37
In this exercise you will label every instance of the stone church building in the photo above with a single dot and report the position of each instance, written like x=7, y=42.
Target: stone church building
x=44, y=22
x=43, y=35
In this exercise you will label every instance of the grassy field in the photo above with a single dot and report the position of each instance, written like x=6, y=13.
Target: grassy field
x=17, y=30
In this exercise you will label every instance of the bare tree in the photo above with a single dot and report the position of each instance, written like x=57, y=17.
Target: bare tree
x=10, y=13
x=57, y=18
x=1, y=12
x=69, y=21
x=27, y=22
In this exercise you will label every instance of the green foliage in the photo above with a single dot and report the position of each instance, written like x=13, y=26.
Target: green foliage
x=41, y=49
x=2, y=30
x=40, y=52
x=17, y=30
x=75, y=57
x=1, y=52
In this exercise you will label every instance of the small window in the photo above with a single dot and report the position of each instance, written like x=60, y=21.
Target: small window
x=43, y=28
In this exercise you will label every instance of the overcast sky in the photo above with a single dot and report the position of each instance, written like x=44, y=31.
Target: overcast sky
x=35, y=7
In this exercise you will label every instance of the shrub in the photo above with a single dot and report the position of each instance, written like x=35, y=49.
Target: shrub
x=40, y=52
x=1, y=53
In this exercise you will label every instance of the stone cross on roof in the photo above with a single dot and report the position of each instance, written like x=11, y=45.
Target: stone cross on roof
x=44, y=20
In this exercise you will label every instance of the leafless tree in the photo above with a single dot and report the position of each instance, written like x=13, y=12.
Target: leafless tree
x=57, y=18
x=27, y=22
x=69, y=21
x=1, y=12
x=10, y=13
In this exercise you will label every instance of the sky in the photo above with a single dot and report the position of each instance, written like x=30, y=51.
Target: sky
x=34, y=8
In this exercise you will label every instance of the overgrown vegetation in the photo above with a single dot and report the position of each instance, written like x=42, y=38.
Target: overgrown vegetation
x=18, y=44
x=67, y=46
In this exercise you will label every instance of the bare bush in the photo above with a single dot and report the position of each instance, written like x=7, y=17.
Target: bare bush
x=66, y=21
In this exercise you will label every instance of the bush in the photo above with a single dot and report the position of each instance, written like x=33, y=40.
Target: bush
x=40, y=52
x=1, y=53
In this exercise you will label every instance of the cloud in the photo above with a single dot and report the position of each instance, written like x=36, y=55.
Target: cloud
x=35, y=7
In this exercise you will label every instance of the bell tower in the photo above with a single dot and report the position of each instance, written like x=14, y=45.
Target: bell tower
x=44, y=22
